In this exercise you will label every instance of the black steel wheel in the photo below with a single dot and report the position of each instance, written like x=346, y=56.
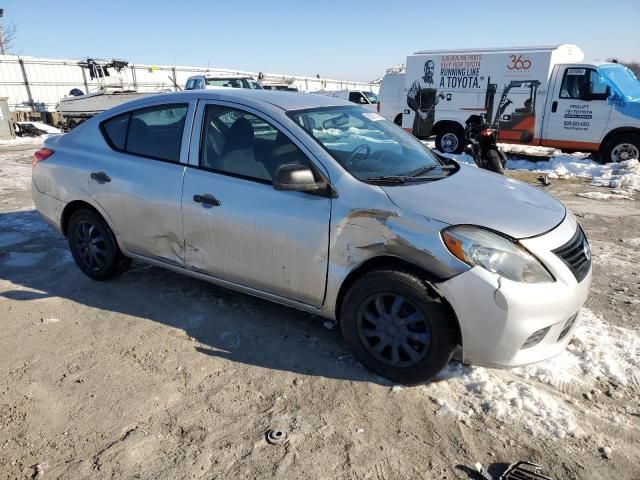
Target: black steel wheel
x=94, y=247
x=396, y=326
x=393, y=329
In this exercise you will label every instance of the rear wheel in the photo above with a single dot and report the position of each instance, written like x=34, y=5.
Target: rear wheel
x=395, y=326
x=94, y=246
x=450, y=139
x=619, y=148
x=493, y=161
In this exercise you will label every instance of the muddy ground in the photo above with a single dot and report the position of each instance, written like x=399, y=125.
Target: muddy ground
x=155, y=375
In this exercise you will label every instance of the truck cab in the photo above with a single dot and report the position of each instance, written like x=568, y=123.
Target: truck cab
x=367, y=99
x=593, y=107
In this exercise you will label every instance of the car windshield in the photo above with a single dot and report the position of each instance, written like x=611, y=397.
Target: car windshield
x=373, y=98
x=623, y=79
x=369, y=147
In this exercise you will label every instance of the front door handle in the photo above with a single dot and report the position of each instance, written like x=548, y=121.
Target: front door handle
x=554, y=107
x=207, y=199
x=100, y=177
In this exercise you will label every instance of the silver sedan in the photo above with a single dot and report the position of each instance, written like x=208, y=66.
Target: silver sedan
x=322, y=205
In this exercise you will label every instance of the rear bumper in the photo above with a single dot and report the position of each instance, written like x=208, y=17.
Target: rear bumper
x=50, y=208
x=497, y=316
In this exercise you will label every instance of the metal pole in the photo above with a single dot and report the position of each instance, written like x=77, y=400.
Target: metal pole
x=84, y=77
x=26, y=84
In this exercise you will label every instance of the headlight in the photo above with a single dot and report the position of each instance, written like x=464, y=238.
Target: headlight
x=476, y=246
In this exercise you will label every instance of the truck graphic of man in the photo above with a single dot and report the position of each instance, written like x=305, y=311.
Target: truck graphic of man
x=422, y=98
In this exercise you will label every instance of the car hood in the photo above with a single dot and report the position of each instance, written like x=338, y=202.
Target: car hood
x=477, y=197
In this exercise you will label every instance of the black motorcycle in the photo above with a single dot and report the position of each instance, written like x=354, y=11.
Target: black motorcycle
x=481, y=144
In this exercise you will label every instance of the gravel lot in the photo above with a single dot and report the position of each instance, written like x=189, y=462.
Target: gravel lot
x=155, y=375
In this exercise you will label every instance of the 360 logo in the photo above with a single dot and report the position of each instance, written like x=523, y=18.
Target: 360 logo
x=519, y=63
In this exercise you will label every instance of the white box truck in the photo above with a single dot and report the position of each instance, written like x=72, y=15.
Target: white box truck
x=536, y=95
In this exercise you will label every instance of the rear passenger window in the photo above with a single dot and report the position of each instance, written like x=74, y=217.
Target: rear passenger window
x=115, y=130
x=154, y=132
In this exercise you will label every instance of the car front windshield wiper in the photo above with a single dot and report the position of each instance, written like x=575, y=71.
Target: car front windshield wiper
x=423, y=170
x=388, y=179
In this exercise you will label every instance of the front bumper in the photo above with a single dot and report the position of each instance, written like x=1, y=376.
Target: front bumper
x=497, y=316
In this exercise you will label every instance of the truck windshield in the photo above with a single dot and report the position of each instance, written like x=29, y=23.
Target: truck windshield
x=622, y=78
x=369, y=147
x=372, y=97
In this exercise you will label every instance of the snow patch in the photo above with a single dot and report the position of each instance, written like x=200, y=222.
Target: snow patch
x=615, y=194
x=535, y=396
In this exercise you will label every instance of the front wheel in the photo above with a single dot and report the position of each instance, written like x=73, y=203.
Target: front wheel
x=395, y=326
x=493, y=162
x=94, y=246
x=621, y=147
x=450, y=140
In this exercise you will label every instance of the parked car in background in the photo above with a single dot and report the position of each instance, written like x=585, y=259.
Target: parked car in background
x=198, y=82
x=325, y=206
x=365, y=98
x=391, y=97
x=285, y=87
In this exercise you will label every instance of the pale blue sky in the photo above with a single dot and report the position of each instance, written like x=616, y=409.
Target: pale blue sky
x=350, y=39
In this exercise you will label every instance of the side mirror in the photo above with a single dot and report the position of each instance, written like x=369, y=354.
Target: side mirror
x=295, y=177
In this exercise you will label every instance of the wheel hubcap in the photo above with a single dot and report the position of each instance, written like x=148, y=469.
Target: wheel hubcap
x=393, y=330
x=624, y=151
x=449, y=142
x=91, y=246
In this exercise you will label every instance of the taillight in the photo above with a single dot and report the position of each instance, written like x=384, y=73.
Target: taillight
x=41, y=155
x=486, y=132
x=378, y=107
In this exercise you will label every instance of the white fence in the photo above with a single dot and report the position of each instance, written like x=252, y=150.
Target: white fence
x=37, y=84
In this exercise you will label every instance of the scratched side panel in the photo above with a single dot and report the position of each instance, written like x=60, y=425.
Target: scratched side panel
x=360, y=234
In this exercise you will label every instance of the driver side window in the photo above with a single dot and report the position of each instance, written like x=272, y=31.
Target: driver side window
x=238, y=143
x=582, y=83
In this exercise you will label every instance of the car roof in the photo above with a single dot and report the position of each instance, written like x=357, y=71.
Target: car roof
x=253, y=97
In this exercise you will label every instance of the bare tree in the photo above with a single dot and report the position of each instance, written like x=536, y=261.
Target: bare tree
x=633, y=66
x=7, y=37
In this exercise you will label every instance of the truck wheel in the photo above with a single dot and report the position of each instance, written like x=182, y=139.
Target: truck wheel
x=398, y=120
x=450, y=139
x=71, y=124
x=619, y=148
x=395, y=327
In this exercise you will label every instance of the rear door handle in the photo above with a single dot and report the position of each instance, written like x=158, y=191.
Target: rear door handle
x=554, y=107
x=101, y=177
x=207, y=199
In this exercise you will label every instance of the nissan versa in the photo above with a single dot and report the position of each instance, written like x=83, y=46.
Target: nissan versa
x=322, y=205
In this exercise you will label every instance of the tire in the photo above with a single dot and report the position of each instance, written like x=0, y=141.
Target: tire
x=493, y=162
x=450, y=139
x=71, y=124
x=398, y=120
x=432, y=336
x=625, y=146
x=94, y=247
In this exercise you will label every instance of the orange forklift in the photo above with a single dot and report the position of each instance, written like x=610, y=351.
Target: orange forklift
x=519, y=126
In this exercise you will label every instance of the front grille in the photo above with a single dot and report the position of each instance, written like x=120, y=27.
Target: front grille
x=524, y=471
x=576, y=254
